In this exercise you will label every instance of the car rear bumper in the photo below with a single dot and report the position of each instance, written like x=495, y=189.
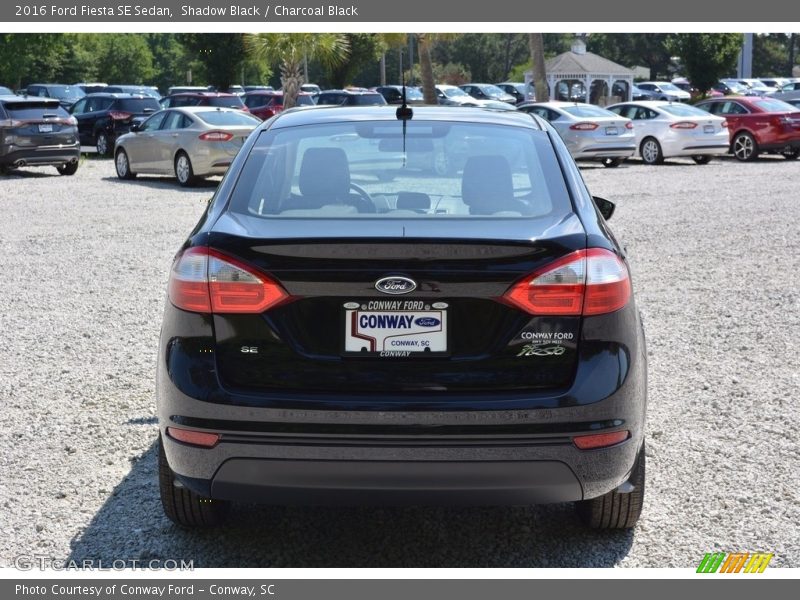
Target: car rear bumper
x=605, y=151
x=39, y=156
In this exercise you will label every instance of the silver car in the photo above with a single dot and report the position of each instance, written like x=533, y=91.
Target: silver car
x=590, y=132
x=665, y=129
x=190, y=142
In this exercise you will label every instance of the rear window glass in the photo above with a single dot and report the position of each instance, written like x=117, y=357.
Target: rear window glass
x=34, y=110
x=436, y=170
x=305, y=101
x=66, y=92
x=257, y=100
x=226, y=101
x=139, y=105
x=770, y=105
x=682, y=110
x=222, y=118
x=366, y=99
x=587, y=111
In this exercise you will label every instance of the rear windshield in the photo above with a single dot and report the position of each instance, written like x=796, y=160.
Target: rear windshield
x=223, y=118
x=66, y=92
x=366, y=100
x=588, y=111
x=436, y=170
x=305, y=101
x=139, y=105
x=32, y=109
x=257, y=100
x=682, y=110
x=771, y=105
x=226, y=101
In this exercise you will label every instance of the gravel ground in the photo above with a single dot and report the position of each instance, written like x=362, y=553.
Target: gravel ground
x=714, y=252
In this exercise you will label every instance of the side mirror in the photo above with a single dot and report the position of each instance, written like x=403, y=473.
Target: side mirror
x=606, y=207
x=136, y=127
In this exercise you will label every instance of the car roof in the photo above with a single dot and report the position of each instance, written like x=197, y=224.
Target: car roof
x=17, y=98
x=122, y=95
x=206, y=94
x=338, y=114
x=649, y=103
x=205, y=109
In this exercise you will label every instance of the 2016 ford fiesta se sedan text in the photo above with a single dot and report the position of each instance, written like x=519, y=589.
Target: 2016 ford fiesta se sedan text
x=351, y=322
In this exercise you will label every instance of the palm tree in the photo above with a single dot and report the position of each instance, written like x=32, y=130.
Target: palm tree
x=291, y=49
x=389, y=41
x=425, y=42
x=536, y=41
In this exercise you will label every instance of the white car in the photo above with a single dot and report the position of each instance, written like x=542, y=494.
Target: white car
x=451, y=95
x=589, y=132
x=664, y=90
x=667, y=129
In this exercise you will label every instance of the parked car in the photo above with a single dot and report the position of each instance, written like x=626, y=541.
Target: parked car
x=487, y=91
x=790, y=86
x=348, y=98
x=590, y=132
x=67, y=95
x=188, y=142
x=774, y=82
x=311, y=88
x=136, y=90
x=451, y=95
x=758, y=86
x=219, y=99
x=259, y=88
x=731, y=87
x=182, y=89
x=91, y=88
x=639, y=94
x=4, y=91
x=668, y=129
x=264, y=104
x=103, y=117
x=758, y=125
x=664, y=90
x=334, y=338
x=393, y=94
x=522, y=92
x=37, y=132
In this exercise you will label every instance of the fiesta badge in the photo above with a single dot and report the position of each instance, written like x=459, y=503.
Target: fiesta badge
x=395, y=285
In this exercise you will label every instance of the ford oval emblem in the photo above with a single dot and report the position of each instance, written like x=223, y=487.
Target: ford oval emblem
x=395, y=285
x=428, y=322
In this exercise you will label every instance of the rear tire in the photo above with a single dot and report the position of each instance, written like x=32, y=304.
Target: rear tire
x=744, y=147
x=612, y=163
x=702, y=159
x=184, y=172
x=182, y=506
x=68, y=169
x=651, y=152
x=123, y=165
x=615, y=510
x=103, y=144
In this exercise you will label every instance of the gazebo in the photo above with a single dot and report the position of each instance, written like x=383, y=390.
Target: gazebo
x=571, y=74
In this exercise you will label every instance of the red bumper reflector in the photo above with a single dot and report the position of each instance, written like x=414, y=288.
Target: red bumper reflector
x=599, y=440
x=195, y=438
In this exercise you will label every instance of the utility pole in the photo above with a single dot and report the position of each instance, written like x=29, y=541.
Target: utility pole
x=745, y=70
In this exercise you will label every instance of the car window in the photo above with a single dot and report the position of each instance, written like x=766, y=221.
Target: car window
x=154, y=122
x=79, y=107
x=683, y=110
x=221, y=118
x=226, y=101
x=733, y=108
x=172, y=120
x=139, y=105
x=35, y=109
x=461, y=170
x=256, y=100
x=587, y=111
x=773, y=105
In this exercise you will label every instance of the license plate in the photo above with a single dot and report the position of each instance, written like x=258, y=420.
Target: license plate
x=708, y=129
x=395, y=333
x=611, y=131
x=45, y=128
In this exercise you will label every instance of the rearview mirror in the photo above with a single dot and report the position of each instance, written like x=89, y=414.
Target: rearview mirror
x=606, y=207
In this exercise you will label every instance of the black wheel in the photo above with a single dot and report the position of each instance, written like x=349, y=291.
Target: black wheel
x=183, y=170
x=68, y=169
x=616, y=510
x=702, y=159
x=791, y=154
x=123, y=165
x=183, y=506
x=651, y=151
x=744, y=147
x=612, y=163
x=103, y=144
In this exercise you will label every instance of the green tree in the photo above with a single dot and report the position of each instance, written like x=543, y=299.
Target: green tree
x=30, y=57
x=220, y=54
x=650, y=50
x=290, y=49
x=125, y=59
x=365, y=51
x=770, y=52
x=706, y=56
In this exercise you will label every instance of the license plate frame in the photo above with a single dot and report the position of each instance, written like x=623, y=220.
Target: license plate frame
x=45, y=128
x=708, y=129
x=394, y=332
x=612, y=130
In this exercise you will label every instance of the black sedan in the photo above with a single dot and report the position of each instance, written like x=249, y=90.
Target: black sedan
x=344, y=326
x=104, y=117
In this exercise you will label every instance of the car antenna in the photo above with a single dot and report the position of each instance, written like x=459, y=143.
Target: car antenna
x=404, y=113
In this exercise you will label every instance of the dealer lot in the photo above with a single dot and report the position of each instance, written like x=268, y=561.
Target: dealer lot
x=714, y=256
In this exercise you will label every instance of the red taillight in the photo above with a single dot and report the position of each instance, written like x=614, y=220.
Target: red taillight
x=196, y=438
x=585, y=282
x=599, y=440
x=208, y=281
x=683, y=125
x=216, y=136
x=724, y=124
x=629, y=125
x=584, y=126
x=119, y=115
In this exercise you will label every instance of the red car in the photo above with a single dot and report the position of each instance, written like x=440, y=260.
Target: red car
x=219, y=99
x=265, y=104
x=758, y=125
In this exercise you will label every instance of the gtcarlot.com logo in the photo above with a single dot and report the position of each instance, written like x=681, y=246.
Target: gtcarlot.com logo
x=734, y=562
